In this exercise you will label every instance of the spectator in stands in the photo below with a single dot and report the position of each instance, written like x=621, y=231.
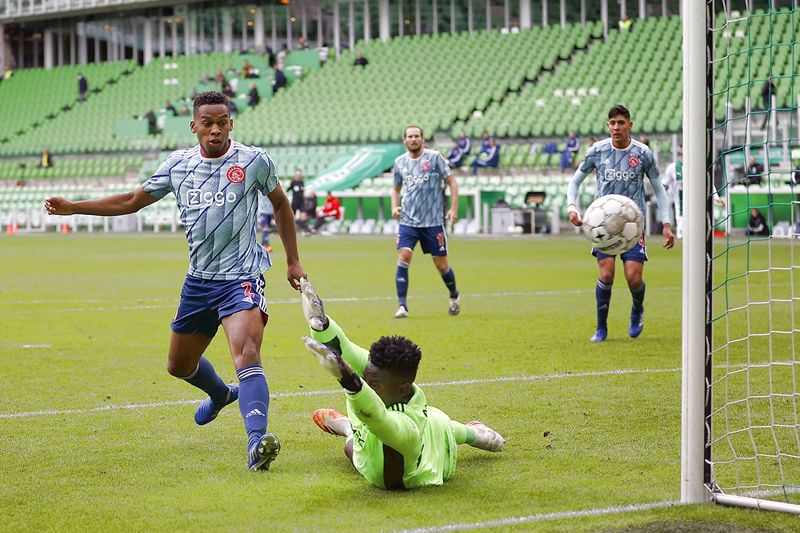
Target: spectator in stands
x=331, y=210
x=296, y=186
x=194, y=93
x=455, y=156
x=767, y=93
x=753, y=174
x=490, y=158
x=308, y=212
x=625, y=24
x=549, y=149
x=83, y=87
x=228, y=91
x=47, y=160
x=232, y=107
x=360, y=61
x=303, y=43
x=253, y=97
x=757, y=224
x=152, y=129
x=569, y=155
x=220, y=77
x=169, y=108
x=185, y=111
x=644, y=140
x=266, y=214
x=485, y=142
x=248, y=71
x=464, y=143
x=280, y=78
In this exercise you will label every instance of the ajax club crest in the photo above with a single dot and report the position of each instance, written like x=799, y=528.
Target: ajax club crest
x=236, y=174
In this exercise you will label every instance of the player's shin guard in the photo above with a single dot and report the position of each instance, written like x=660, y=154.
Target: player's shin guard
x=603, y=294
x=401, y=281
x=206, y=379
x=253, y=401
x=449, y=279
x=638, y=298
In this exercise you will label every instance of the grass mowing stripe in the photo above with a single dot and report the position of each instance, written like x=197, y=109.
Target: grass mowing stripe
x=336, y=391
x=559, y=515
x=295, y=301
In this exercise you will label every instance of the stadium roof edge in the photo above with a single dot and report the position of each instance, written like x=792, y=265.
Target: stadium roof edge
x=14, y=13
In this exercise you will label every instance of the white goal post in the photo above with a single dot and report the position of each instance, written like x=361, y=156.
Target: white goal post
x=701, y=461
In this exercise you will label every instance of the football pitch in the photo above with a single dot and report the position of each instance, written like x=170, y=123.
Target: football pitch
x=96, y=436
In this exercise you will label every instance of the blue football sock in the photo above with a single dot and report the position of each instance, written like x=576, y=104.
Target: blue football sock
x=401, y=281
x=253, y=401
x=449, y=279
x=603, y=294
x=265, y=237
x=638, y=298
x=205, y=378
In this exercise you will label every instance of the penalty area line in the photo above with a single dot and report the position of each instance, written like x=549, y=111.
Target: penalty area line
x=52, y=412
x=543, y=517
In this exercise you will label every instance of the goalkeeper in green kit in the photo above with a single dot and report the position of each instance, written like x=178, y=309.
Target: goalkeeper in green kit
x=393, y=437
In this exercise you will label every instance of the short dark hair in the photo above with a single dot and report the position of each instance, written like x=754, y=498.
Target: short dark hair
x=619, y=110
x=210, y=98
x=396, y=354
x=413, y=126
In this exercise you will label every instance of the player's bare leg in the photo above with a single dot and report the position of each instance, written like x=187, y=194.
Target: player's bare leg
x=186, y=361
x=605, y=279
x=633, y=273
x=245, y=331
x=449, y=278
x=401, y=281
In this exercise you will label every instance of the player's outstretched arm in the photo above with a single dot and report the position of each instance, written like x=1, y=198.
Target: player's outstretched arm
x=394, y=429
x=396, y=209
x=572, y=197
x=117, y=204
x=324, y=329
x=284, y=220
x=452, y=213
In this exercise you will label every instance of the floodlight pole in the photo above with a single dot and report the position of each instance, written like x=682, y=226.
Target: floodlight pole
x=694, y=254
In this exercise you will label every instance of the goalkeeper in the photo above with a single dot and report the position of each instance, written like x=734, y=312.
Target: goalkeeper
x=393, y=437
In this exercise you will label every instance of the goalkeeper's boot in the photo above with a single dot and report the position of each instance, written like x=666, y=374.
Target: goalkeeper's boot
x=312, y=307
x=262, y=453
x=333, y=422
x=485, y=437
x=401, y=312
x=637, y=323
x=208, y=410
x=455, y=305
x=600, y=335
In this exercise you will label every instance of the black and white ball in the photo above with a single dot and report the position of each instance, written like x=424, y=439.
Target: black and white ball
x=613, y=224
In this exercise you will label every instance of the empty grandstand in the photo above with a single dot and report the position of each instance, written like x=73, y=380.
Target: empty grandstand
x=525, y=72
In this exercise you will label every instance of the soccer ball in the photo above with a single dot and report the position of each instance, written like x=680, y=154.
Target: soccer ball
x=613, y=224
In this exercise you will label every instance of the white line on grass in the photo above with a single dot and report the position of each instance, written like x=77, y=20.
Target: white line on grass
x=542, y=517
x=294, y=301
x=51, y=412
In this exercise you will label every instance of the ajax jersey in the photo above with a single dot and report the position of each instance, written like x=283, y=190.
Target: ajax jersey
x=218, y=203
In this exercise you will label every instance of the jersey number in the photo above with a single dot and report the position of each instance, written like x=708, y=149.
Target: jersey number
x=248, y=292
x=440, y=238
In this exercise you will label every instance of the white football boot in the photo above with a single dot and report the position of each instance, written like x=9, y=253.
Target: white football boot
x=485, y=437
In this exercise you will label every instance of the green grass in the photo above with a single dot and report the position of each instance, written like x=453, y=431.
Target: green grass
x=84, y=325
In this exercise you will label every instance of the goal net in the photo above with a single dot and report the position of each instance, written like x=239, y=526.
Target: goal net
x=751, y=352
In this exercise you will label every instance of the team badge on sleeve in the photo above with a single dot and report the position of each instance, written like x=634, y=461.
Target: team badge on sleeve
x=633, y=161
x=236, y=174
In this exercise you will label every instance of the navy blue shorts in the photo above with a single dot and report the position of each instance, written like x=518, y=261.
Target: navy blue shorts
x=432, y=240
x=204, y=303
x=638, y=253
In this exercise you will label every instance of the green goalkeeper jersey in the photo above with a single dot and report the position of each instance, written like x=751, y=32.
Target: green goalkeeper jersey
x=420, y=434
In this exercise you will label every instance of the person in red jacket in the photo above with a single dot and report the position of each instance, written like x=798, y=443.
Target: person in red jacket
x=331, y=210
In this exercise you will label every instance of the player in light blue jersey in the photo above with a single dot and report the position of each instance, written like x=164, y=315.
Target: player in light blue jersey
x=216, y=185
x=419, y=178
x=621, y=164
